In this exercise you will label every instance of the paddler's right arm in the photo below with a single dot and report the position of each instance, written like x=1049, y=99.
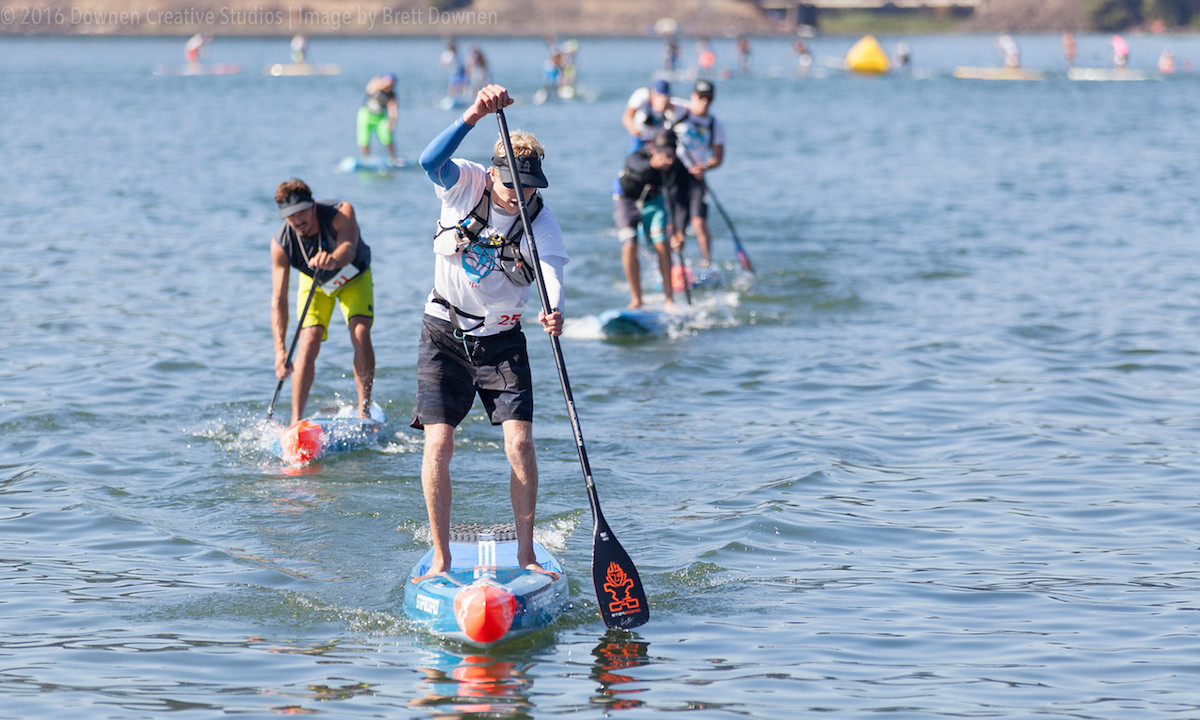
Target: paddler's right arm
x=279, y=307
x=436, y=158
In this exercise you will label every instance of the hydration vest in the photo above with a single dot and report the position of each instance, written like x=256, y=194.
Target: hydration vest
x=459, y=237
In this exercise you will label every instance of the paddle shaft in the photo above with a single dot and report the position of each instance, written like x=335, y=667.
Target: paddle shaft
x=743, y=258
x=295, y=340
x=619, y=591
x=687, y=286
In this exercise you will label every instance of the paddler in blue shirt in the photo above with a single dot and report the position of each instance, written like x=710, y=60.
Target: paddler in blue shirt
x=321, y=239
x=471, y=338
x=378, y=114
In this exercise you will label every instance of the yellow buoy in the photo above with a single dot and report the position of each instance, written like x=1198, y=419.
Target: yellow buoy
x=866, y=56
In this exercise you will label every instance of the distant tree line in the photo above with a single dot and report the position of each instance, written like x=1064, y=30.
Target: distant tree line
x=1110, y=15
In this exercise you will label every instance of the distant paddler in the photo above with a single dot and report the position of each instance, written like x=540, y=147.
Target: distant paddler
x=299, y=48
x=192, y=48
x=701, y=148
x=378, y=115
x=648, y=111
x=322, y=241
x=650, y=179
x=1010, y=51
x=1120, y=52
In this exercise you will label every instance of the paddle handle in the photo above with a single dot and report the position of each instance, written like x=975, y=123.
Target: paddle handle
x=668, y=207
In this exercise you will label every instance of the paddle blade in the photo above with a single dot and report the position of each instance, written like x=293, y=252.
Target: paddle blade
x=619, y=590
x=744, y=259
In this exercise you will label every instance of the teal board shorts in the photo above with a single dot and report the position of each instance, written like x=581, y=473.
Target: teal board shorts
x=652, y=217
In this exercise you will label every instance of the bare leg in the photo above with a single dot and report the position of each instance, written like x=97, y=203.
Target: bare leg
x=303, y=368
x=364, y=362
x=700, y=225
x=633, y=273
x=523, y=485
x=664, y=268
x=435, y=481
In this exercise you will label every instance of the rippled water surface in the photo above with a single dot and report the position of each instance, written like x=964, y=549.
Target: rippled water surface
x=937, y=458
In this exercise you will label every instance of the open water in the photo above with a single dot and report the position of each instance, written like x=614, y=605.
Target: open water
x=936, y=459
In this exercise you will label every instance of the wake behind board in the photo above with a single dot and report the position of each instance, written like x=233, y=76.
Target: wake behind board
x=486, y=598
x=329, y=431
x=377, y=164
x=638, y=323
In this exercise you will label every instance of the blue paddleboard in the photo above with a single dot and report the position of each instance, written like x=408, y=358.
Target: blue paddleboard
x=642, y=322
x=378, y=164
x=485, y=598
x=329, y=431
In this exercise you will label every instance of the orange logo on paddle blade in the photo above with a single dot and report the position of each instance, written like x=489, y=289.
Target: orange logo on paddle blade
x=618, y=585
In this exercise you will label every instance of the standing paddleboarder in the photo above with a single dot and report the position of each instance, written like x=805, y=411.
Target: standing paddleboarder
x=320, y=239
x=471, y=338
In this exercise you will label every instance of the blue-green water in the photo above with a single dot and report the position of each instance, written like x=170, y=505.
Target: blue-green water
x=936, y=459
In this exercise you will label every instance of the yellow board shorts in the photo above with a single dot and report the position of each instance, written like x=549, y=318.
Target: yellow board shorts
x=357, y=299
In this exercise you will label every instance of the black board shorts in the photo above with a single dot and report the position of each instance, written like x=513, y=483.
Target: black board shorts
x=450, y=374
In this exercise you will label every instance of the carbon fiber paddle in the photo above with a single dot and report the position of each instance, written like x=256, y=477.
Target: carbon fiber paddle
x=619, y=591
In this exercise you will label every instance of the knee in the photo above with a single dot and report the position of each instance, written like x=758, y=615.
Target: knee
x=519, y=448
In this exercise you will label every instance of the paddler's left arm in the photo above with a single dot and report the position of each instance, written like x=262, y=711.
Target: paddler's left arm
x=343, y=252
x=552, y=274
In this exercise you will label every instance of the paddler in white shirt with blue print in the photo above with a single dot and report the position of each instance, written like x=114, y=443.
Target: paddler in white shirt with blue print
x=471, y=338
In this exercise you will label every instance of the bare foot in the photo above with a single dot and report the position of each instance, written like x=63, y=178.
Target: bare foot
x=633, y=305
x=669, y=305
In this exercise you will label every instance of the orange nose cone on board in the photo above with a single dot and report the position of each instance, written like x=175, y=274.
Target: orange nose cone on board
x=681, y=278
x=484, y=611
x=301, y=442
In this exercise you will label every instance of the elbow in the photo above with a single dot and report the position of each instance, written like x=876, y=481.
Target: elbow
x=431, y=164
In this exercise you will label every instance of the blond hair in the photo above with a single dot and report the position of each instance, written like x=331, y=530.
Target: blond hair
x=523, y=144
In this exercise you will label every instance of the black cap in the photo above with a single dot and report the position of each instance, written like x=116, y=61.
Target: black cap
x=703, y=88
x=528, y=166
x=665, y=139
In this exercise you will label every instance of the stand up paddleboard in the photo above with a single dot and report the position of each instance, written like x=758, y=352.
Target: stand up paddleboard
x=209, y=69
x=1109, y=74
x=642, y=322
x=332, y=430
x=485, y=598
x=378, y=164
x=298, y=69
x=997, y=73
